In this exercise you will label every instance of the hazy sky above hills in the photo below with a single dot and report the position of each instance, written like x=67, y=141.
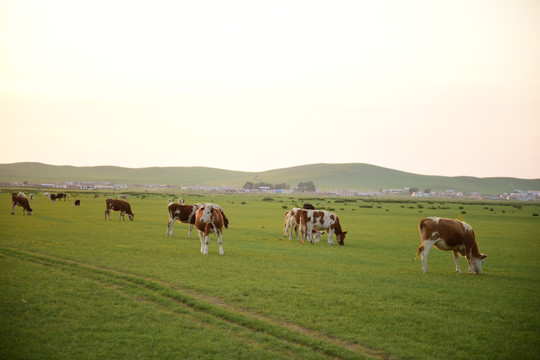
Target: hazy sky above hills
x=430, y=87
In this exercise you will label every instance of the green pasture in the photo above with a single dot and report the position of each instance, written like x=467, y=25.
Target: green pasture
x=76, y=286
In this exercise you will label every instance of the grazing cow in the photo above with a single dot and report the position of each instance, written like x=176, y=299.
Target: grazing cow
x=118, y=205
x=320, y=220
x=209, y=218
x=17, y=200
x=447, y=234
x=77, y=203
x=96, y=196
x=308, y=207
x=31, y=197
x=46, y=194
x=53, y=197
x=123, y=197
x=61, y=196
x=182, y=213
x=291, y=225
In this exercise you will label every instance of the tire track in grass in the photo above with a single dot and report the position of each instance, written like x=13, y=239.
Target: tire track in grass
x=206, y=309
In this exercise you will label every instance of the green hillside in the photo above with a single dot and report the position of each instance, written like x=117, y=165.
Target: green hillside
x=362, y=177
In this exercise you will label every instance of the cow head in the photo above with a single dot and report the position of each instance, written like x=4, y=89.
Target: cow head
x=477, y=263
x=207, y=215
x=317, y=234
x=341, y=238
x=131, y=216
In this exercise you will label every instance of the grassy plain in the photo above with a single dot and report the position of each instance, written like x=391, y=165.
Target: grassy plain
x=74, y=286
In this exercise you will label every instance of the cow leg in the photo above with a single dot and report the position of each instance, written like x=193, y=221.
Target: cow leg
x=13, y=209
x=109, y=213
x=424, y=253
x=286, y=228
x=220, y=241
x=309, y=234
x=170, y=227
x=190, y=228
x=206, y=242
x=300, y=226
x=470, y=261
x=122, y=216
x=456, y=260
x=330, y=236
x=296, y=227
x=201, y=237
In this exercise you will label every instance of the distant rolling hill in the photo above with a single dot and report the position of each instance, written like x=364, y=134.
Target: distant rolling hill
x=324, y=176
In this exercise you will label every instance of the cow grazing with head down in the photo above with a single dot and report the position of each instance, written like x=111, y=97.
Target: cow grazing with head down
x=53, y=197
x=22, y=201
x=77, y=203
x=320, y=220
x=118, y=205
x=210, y=218
x=291, y=225
x=182, y=213
x=61, y=196
x=448, y=234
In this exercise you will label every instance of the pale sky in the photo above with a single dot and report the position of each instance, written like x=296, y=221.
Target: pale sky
x=430, y=87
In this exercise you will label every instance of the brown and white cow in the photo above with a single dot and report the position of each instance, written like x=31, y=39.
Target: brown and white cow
x=182, y=213
x=118, y=205
x=320, y=220
x=22, y=201
x=291, y=225
x=209, y=218
x=448, y=234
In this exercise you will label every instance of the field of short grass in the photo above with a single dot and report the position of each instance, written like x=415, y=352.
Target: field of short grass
x=76, y=286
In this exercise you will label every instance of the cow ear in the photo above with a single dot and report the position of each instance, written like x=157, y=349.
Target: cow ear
x=483, y=256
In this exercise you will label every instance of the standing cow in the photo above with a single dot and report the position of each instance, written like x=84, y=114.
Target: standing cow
x=118, y=205
x=448, y=234
x=182, y=213
x=22, y=201
x=291, y=225
x=319, y=220
x=210, y=218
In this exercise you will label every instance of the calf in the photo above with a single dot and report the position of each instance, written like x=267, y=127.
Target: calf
x=447, y=234
x=292, y=225
x=53, y=197
x=61, y=196
x=22, y=201
x=209, y=218
x=77, y=203
x=320, y=220
x=182, y=213
x=118, y=205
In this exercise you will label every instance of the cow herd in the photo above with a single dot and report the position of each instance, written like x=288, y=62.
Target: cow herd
x=307, y=223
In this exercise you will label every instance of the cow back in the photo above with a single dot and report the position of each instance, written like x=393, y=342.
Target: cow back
x=455, y=233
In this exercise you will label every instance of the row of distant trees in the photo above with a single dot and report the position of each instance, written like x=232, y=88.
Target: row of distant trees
x=307, y=186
